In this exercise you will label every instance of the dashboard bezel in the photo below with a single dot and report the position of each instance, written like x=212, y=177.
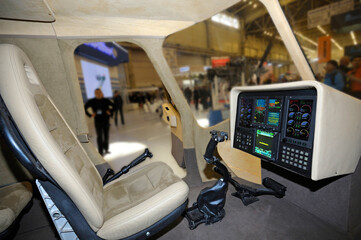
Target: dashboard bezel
x=280, y=138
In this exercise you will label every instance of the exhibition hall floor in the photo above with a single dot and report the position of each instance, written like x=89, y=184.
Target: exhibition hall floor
x=141, y=130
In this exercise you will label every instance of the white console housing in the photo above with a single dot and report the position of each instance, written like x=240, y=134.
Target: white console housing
x=336, y=146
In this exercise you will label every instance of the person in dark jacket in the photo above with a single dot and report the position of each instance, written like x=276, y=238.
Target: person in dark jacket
x=205, y=97
x=118, y=106
x=102, y=109
x=196, y=96
x=334, y=77
x=188, y=95
x=344, y=62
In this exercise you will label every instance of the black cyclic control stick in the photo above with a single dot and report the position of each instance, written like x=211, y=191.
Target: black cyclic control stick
x=125, y=169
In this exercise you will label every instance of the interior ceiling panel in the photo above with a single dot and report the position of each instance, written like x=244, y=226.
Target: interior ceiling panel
x=148, y=18
x=34, y=10
x=186, y=10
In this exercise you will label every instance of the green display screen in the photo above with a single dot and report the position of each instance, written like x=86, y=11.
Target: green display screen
x=274, y=108
x=264, y=143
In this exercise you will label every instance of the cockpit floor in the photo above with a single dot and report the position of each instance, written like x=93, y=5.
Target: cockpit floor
x=268, y=219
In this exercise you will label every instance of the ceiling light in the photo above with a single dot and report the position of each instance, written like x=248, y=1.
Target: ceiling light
x=309, y=49
x=270, y=35
x=250, y=3
x=353, y=38
x=336, y=43
x=254, y=5
x=321, y=29
x=306, y=38
x=226, y=20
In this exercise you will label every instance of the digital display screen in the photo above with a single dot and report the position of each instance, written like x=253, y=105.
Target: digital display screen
x=260, y=111
x=96, y=76
x=264, y=143
x=245, y=112
x=299, y=118
x=274, y=108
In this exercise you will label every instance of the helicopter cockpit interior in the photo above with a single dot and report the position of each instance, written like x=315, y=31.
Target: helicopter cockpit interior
x=241, y=137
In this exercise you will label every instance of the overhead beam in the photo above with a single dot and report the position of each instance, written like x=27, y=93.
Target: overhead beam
x=261, y=11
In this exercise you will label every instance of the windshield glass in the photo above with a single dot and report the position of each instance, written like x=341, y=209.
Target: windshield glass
x=237, y=47
x=329, y=33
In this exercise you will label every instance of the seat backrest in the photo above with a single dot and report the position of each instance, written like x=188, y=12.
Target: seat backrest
x=48, y=135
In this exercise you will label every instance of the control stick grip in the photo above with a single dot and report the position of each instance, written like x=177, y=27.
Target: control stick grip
x=135, y=162
x=141, y=158
x=278, y=188
x=208, y=156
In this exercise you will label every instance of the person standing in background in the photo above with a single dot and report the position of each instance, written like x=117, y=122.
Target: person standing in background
x=102, y=109
x=196, y=96
x=188, y=95
x=118, y=106
x=344, y=62
x=355, y=76
x=205, y=97
x=334, y=77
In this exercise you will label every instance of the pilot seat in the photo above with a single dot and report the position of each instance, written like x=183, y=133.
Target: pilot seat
x=136, y=205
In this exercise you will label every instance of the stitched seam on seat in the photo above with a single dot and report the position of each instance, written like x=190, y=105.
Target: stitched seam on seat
x=150, y=181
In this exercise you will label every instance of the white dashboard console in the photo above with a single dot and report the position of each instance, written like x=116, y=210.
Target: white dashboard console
x=305, y=127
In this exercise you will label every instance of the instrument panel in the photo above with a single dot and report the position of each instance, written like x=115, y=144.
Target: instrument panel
x=278, y=127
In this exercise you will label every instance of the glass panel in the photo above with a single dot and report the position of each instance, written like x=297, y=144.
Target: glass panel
x=329, y=33
x=237, y=47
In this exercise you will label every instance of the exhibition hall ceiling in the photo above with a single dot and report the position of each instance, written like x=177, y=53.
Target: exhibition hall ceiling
x=258, y=22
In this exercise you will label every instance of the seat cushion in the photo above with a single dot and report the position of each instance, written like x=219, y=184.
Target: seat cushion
x=7, y=217
x=13, y=199
x=140, y=199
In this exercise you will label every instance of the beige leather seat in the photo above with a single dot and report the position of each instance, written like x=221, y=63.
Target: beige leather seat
x=13, y=199
x=119, y=209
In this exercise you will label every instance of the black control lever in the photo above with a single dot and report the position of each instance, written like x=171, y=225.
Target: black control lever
x=249, y=195
x=217, y=137
x=125, y=169
x=278, y=188
x=107, y=174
